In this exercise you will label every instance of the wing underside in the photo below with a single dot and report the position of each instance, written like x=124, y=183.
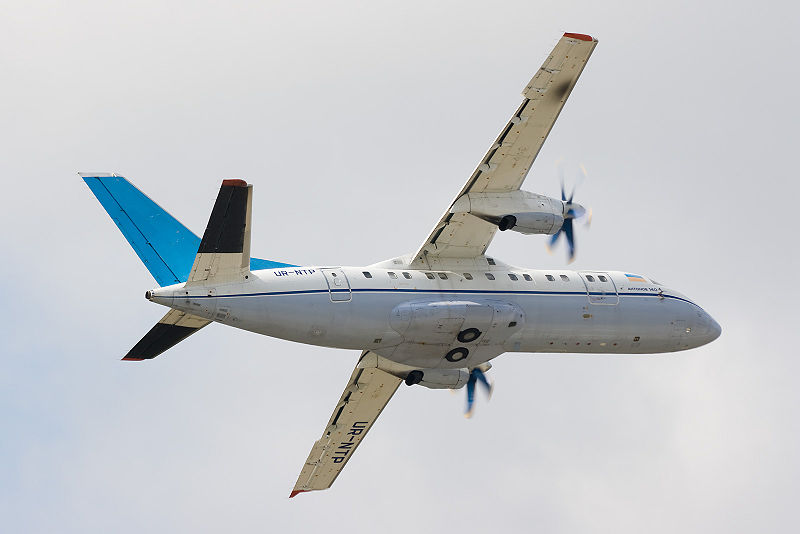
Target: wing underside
x=506, y=164
x=367, y=393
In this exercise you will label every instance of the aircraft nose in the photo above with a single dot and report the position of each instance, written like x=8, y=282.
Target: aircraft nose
x=708, y=330
x=714, y=329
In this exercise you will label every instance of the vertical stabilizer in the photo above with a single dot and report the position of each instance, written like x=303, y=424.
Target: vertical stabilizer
x=224, y=252
x=166, y=247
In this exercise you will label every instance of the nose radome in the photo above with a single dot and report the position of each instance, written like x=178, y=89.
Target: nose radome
x=714, y=329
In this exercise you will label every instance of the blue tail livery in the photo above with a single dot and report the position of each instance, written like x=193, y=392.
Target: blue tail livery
x=166, y=247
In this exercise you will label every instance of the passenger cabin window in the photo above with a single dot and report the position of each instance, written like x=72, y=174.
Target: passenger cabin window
x=565, y=278
x=443, y=276
x=602, y=278
x=513, y=276
x=527, y=277
x=590, y=278
x=430, y=276
x=367, y=274
x=549, y=277
x=407, y=276
x=490, y=276
x=392, y=275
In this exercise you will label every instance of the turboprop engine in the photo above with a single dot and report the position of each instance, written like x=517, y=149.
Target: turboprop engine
x=434, y=378
x=438, y=378
x=519, y=211
x=430, y=378
x=527, y=213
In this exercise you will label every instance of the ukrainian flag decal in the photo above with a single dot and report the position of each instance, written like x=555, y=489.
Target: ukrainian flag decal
x=635, y=278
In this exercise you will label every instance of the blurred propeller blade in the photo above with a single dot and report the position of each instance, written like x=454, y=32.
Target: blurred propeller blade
x=568, y=233
x=572, y=211
x=475, y=376
x=470, y=396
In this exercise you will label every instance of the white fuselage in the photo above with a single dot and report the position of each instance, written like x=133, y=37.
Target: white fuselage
x=413, y=317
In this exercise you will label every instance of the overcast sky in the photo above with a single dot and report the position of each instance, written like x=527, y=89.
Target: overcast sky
x=358, y=123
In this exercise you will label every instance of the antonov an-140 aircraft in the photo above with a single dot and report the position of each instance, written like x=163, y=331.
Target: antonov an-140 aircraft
x=433, y=318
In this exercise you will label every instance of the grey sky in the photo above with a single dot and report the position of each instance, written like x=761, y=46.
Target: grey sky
x=357, y=123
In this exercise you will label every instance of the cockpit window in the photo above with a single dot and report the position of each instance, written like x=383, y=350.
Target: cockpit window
x=602, y=278
x=443, y=276
x=490, y=276
x=565, y=278
x=430, y=276
x=392, y=275
x=527, y=277
x=590, y=278
x=367, y=274
x=407, y=276
x=468, y=276
x=513, y=276
x=549, y=277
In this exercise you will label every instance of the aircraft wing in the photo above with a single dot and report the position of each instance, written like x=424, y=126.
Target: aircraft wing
x=367, y=393
x=503, y=169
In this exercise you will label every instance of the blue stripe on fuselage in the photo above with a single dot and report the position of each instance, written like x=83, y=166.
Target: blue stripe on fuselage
x=444, y=291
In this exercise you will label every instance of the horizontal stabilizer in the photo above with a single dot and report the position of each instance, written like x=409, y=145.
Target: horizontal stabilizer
x=173, y=328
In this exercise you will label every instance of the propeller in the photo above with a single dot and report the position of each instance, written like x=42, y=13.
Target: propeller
x=572, y=211
x=477, y=375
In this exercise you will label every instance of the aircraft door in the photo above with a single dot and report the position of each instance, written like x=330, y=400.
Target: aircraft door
x=600, y=288
x=338, y=285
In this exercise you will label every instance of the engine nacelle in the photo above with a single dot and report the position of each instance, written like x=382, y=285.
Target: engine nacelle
x=520, y=211
x=430, y=378
x=444, y=378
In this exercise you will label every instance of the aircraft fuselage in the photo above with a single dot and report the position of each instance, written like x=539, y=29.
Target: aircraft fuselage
x=415, y=317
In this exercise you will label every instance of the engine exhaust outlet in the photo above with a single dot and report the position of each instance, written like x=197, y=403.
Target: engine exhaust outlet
x=507, y=223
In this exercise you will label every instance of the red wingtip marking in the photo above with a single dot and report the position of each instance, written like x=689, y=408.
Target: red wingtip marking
x=132, y=359
x=580, y=36
x=235, y=182
x=295, y=492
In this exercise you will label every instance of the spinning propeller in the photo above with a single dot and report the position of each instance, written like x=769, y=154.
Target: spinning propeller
x=477, y=375
x=572, y=211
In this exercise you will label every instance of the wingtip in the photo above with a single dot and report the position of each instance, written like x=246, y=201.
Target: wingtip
x=129, y=359
x=296, y=492
x=234, y=182
x=579, y=36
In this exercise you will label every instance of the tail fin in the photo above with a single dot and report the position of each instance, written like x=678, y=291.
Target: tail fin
x=166, y=247
x=224, y=252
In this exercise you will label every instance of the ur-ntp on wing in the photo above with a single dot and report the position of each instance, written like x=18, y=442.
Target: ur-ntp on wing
x=366, y=395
